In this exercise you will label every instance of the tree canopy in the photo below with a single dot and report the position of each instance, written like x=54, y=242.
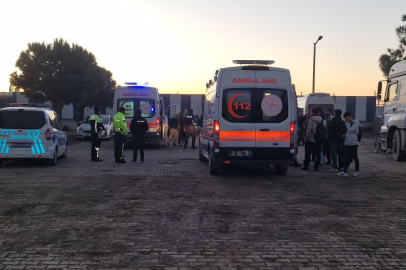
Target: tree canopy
x=62, y=74
x=386, y=61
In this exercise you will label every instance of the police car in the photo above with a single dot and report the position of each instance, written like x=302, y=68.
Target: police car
x=250, y=117
x=84, y=130
x=27, y=131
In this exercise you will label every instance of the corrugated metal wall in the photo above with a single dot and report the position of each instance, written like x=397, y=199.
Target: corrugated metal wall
x=363, y=107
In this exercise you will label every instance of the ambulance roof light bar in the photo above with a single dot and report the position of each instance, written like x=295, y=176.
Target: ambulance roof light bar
x=254, y=62
x=135, y=83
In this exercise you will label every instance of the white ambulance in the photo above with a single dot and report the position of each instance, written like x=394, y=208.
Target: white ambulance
x=250, y=117
x=135, y=96
x=307, y=102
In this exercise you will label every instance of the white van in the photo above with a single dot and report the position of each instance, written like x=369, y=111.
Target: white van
x=250, y=116
x=32, y=132
x=307, y=102
x=134, y=96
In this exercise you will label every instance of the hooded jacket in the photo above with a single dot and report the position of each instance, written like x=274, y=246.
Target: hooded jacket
x=312, y=126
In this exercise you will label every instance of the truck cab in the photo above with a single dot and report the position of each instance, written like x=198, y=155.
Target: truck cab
x=393, y=130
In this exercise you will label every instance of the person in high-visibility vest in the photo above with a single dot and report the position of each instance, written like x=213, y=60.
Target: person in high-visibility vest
x=120, y=134
x=97, y=127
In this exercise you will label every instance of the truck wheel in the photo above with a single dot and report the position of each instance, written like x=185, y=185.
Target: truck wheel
x=279, y=170
x=397, y=153
x=213, y=168
x=201, y=156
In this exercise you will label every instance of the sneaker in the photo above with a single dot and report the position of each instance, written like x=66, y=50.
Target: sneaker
x=341, y=169
x=305, y=168
x=355, y=174
x=121, y=161
x=333, y=170
x=342, y=174
x=134, y=161
x=194, y=147
x=96, y=159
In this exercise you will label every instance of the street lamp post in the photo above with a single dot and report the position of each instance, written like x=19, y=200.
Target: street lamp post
x=314, y=60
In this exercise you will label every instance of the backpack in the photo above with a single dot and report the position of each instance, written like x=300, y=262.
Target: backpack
x=320, y=134
x=359, y=134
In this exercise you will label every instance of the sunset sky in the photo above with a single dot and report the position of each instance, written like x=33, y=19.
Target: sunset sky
x=176, y=45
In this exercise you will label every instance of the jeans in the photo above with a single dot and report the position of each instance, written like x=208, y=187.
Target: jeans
x=337, y=154
x=351, y=153
x=138, y=144
x=312, y=148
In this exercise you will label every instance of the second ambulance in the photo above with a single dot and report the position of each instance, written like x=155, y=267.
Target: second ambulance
x=250, y=116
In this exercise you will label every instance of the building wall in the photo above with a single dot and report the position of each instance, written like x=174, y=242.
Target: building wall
x=362, y=107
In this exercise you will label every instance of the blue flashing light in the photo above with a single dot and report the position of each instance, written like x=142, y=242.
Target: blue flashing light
x=152, y=109
x=135, y=83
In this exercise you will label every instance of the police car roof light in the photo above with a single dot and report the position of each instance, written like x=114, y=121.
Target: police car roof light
x=254, y=62
x=135, y=83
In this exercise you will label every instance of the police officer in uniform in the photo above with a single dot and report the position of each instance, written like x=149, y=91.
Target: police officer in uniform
x=190, y=129
x=138, y=128
x=120, y=134
x=97, y=127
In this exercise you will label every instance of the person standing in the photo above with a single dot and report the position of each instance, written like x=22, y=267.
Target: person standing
x=97, y=127
x=314, y=138
x=120, y=135
x=190, y=129
x=336, y=131
x=173, y=130
x=138, y=128
x=326, y=144
x=181, y=127
x=351, y=144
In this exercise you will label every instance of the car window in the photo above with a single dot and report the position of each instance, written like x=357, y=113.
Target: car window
x=147, y=107
x=53, y=121
x=105, y=119
x=21, y=119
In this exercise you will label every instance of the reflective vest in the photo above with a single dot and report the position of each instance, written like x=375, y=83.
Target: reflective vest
x=119, y=124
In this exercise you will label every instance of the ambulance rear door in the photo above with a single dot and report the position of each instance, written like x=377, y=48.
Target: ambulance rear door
x=272, y=101
x=237, y=122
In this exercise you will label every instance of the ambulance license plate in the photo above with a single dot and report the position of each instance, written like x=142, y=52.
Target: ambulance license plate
x=240, y=153
x=20, y=145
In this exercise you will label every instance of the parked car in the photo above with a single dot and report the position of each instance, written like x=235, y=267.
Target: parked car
x=33, y=133
x=84, y=131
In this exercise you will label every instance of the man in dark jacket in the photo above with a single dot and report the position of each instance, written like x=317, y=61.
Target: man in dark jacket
x=138, y=128
x=190, y=129
x=336, y=130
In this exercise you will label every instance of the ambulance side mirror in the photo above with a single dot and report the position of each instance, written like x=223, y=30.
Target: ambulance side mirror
x=379, y=88
x=379, y=97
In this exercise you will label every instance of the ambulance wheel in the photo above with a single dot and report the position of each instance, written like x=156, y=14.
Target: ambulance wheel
x=65, y=153
x=54, y=160
x=201, y=156
x=397, y=153
x=279, y=170
x=213, y=168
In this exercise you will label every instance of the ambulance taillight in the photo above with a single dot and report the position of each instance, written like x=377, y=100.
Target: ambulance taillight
x=158, y=124
x=216, y=134
x=292, y=135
